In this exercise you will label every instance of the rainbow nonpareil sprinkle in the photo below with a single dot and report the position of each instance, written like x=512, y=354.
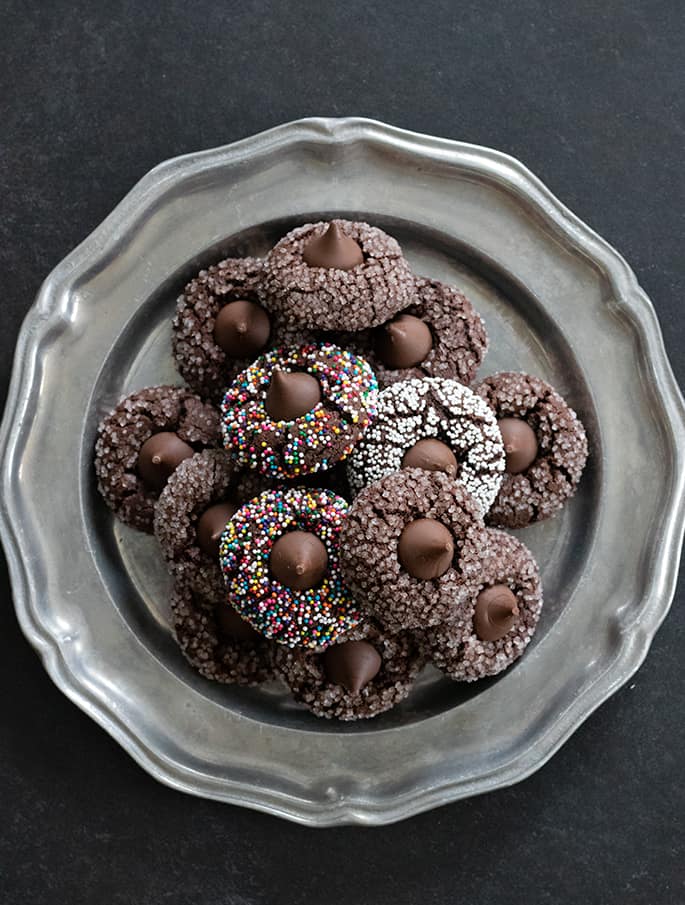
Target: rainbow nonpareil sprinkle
x=311, y=618
x=317, y=440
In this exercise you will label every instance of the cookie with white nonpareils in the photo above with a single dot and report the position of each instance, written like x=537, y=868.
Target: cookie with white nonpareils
x=468, y=445
x=299, y=410
x=341, y=275
x=411, y=548
x=489, y=631
x=220, y=326
x=142, y=441
x=192, y=512
x=363, y=673
x=216, y=641
x=546, y=448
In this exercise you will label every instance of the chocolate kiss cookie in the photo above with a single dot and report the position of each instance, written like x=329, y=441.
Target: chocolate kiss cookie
x=439, y=335
x=300, y=410
x=463, y=435
x=364, y=673
x=192, y=512
x=291, y=592
x=547, y=467
x=491, y=629
x=370, y=548
x=220, y=326
x=217, y=642
x=336, y=276
x=142, y=441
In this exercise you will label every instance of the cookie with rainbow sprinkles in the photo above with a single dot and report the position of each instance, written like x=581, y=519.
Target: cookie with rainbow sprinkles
x=280, y=560
x=299, y=410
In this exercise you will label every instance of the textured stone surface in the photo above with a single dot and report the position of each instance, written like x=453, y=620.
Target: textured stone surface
x=587, y=95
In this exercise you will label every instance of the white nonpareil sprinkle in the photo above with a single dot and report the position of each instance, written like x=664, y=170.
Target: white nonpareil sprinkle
x=434, y=407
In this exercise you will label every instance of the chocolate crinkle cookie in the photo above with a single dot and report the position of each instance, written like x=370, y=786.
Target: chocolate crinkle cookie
x=191, y=513
x=142, y=441
x=340, y=275
x=492, y=629
x=545, y=444
x=217, y=642
x=412, y=547
x=439, y=335
x=364, y=673
x=437, y=424
x=220, y=326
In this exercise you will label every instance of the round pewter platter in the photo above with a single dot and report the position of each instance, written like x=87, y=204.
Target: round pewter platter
x=558, y=302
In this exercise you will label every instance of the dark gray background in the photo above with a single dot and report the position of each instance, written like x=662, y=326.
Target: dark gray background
x=589, y=95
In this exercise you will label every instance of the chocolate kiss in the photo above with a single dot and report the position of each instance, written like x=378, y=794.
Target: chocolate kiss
x=159, y=457
x=403, y=342
x=241, y=328
x=211, y=524
x=425, y=549
x=520, y=444
x=333, y=250
x=352, y=664
x=291, y=394
x=298, y=560
x=496, y=613
x=431, y=455
x=232, y=625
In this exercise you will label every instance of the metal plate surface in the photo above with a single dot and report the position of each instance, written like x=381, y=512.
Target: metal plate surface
x=558, y=302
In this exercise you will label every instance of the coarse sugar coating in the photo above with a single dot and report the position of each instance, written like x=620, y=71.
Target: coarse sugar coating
x=435, y=407
x=314, y=441
x=313, y=617
x=214, y=654
x=322, y=298
x=202, y=363
x=122, y=433
x=460, y=340
x=456, y=649
x=207, y=478
x=304, y=673
x=369, y=548
x=542, y=489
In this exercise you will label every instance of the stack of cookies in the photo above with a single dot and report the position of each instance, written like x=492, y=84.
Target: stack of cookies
x=329, y=490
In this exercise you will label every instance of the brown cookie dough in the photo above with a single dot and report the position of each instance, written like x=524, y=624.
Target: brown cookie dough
x=330, y=298
x=202, y=362
x=493, y=628
x=543, y=487
x=206, y=480
x=312, y=676
x=122, y=434
x=217, y=642
x=370, y=553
